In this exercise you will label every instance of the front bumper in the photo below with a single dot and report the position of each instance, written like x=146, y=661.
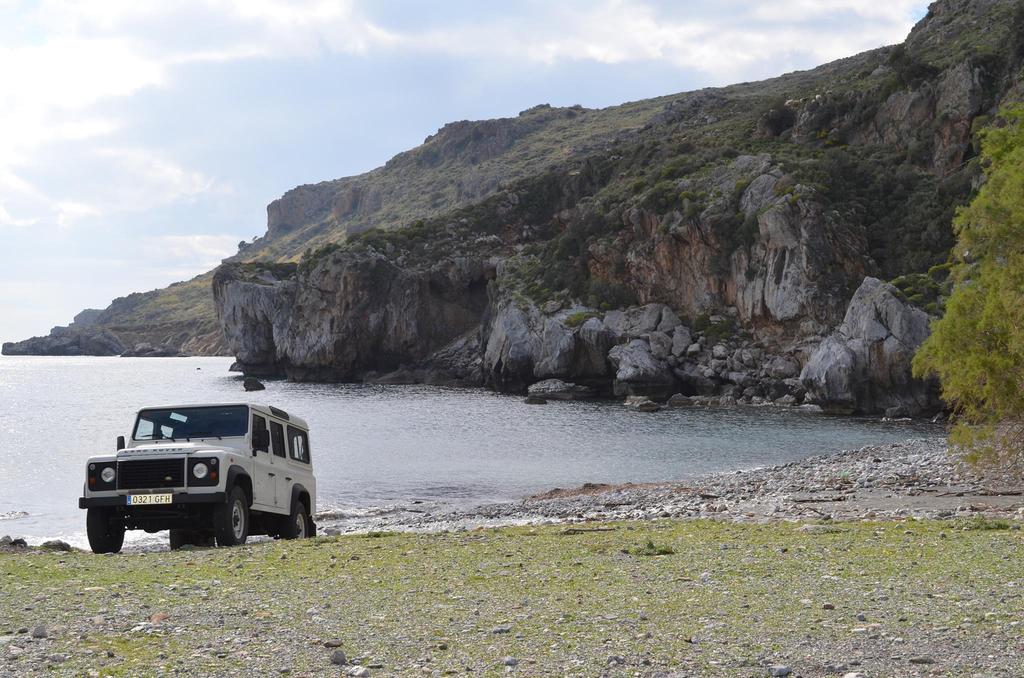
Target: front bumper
x=178, y=498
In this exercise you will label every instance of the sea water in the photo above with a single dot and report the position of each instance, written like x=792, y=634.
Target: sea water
x=376, y=447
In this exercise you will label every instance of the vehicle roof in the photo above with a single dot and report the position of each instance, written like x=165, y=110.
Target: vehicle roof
x=266, y=410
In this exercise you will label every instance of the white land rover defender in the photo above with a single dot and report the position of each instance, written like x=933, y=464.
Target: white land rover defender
x=206, y=473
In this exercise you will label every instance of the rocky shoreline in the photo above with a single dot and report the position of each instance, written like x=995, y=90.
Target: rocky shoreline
x=911, y=479
x=915, y=479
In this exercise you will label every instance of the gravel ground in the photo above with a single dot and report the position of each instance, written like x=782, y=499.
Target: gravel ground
x=916, y=478
x=897, y=598
x=886, y=561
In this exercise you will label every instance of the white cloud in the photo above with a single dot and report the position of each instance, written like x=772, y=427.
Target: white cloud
x=7, y=220
x=192, y=253
x=69, y=211
x=147, y=179
x=724, y=44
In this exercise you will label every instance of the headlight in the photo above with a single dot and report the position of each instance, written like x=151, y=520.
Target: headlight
x=107, y=474
x=200, y=470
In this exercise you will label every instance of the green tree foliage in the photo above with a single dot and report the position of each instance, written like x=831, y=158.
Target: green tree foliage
x=977, y=349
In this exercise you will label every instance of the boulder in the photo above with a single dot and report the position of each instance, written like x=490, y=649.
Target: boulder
x=556, y=351
x=739, y=378
x=253, y=384
x=510, y=349
x=638, y=372
x=865, y=365
x=679, y=400
x=556, y=389
x=681, y=340
x=669, y=321
x=635, y=322
x=694, y=381
x=642, y=404
x=55, y=545
x=593, y=341
x=661, y=345
x=782, y=367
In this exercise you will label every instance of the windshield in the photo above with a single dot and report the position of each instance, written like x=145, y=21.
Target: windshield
x=224, y=421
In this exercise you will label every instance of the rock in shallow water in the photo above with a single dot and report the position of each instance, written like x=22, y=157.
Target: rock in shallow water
x=642, y=404
x=556, y=389
x=253, y=384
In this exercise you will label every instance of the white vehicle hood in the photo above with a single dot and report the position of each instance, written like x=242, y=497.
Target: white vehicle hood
x=165, y=450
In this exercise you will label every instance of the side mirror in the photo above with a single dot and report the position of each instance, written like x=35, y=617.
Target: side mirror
x=120, y=443
x=261, y=441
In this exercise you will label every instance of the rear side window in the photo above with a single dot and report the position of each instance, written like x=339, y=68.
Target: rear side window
x=299, y=443
x=277, y=438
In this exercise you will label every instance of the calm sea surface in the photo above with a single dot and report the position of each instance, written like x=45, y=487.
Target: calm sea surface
x=376, y=446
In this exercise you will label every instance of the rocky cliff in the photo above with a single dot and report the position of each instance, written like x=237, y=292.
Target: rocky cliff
x=704, y=243
x=711, y=251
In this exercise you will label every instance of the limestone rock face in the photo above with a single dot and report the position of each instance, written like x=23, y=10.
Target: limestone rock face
x=865, y=365
x=349, y=315
x=790, y=281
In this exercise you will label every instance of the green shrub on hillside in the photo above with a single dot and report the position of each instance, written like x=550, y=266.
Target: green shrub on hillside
x=906, y=211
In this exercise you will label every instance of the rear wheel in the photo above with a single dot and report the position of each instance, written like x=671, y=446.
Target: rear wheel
x=299, y=525
x=231, y=520
x=105, y=534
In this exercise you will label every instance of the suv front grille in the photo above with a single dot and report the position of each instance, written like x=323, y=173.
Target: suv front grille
x=141, y=474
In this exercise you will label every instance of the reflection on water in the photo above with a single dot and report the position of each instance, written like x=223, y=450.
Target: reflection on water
x=379, y=445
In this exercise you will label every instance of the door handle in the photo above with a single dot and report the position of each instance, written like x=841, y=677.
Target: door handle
x=287, y=478
x=271, y=474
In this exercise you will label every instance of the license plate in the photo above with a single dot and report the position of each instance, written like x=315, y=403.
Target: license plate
x=145, y=499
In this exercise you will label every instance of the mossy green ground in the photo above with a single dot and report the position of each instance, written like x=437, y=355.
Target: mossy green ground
x=729, y=600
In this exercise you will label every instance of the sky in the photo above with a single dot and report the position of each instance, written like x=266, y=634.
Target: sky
x=141, y=141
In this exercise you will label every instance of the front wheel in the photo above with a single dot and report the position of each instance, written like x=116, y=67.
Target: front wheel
x=299, y=525
x=231, y=519
x=105, y=534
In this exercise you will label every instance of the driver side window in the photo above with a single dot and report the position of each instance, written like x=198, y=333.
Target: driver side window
x=259, y=424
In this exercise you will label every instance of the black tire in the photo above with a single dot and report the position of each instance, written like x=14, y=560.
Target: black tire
x=298, y=525
x=181, y=538
x=105, y=535
x=231, y=519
